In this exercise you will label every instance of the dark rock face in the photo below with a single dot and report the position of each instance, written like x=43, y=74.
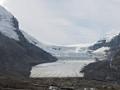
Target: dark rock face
x=98, y=45
x=115, y=42
x=101, y=71
x=18, y=57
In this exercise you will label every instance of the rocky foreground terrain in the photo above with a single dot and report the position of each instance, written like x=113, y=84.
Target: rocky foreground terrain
x=7, y=83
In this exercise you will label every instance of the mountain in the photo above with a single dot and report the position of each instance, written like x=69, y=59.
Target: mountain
x=108, y=69
x=106, y=45
x=111, y=40
x=63, y=52
x=17, y=53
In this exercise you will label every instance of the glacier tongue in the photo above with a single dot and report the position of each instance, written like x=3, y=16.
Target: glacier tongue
x=6, y=24
x=61, y=68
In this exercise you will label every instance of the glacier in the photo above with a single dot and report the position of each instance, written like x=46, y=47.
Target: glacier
x=61, y=68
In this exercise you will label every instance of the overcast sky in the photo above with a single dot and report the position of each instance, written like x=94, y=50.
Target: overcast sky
x=66, y=21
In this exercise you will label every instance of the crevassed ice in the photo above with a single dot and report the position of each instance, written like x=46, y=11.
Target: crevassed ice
x=61, y=68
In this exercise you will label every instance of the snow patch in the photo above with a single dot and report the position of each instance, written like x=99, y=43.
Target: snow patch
x=7, y=30
x=6, y=25
x=79, y=45
x=102, y=50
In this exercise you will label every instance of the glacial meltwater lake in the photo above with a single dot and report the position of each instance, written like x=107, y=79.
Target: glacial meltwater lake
x=61, y=68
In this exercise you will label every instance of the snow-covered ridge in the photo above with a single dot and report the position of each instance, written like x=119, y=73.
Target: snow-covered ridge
x=4, y=13
x=33, y=40
x=110, y=35
x=6, y=24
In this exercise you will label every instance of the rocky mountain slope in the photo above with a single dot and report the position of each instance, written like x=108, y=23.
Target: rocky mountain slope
x=17, y=53
x=109, y=69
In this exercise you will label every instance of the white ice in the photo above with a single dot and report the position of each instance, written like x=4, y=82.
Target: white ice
x=6, y=25
x=61, y=68
x=102, y=50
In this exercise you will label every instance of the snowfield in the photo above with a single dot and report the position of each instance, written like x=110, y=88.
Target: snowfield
x=6, y=25
x=102, y=50
x=61, y=68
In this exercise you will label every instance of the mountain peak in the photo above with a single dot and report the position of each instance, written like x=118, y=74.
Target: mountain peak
x=110, y=35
